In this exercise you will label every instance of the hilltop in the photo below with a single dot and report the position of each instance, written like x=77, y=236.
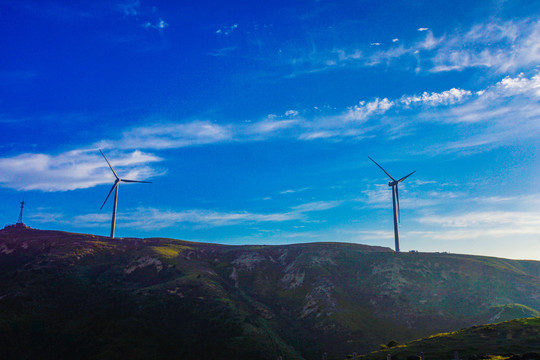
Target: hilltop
x=86, y=296
x=505, y=340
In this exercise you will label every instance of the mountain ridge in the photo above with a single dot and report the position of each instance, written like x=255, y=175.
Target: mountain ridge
x=296, y=300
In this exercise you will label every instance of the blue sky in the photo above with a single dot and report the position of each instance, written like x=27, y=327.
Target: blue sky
x=254, y=121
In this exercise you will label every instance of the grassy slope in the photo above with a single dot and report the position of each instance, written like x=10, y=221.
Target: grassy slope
x=79, y=296
x=501, y=339
x=252, y=301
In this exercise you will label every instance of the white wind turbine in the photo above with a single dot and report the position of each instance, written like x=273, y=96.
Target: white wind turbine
x=395, y=200
x=115, y=187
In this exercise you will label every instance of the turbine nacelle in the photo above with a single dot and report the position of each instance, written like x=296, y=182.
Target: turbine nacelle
x=395, y=200
x=115, y=188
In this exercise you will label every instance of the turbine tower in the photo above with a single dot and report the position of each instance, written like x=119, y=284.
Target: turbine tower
x=115, y=188
x=395, y=200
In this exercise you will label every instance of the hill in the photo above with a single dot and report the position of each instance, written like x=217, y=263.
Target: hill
x=506, y=340
x=84, y=296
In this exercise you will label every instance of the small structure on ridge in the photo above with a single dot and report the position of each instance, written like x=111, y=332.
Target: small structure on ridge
x=19, y=225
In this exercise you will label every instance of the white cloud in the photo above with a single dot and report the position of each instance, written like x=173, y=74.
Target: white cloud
x=291, y=113
x=484, y=227
x=429, y=42
x=314, y=135
x=316, y=206
x=378, y=197
x=385, y=56
x=170, y=135
x=269, y=125
x=160, y=24
x=447, y=97
x=487, y=234
x=130, y=9
x=344, y=56
x=272, y=124
x=506, y=112
x=227, y=30
x=495, y=104
x=502, y=46
x=521, y=85
x=292, y=191
x=362, y=111
x=145, y=15
x=518, y=219
x=148, y=218
x=77, y=169
x=224, y=51
x=497, y=45
x=347, y=124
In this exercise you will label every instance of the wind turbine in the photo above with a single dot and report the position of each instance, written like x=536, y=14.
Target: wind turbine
x=395, y=200
x=115, y=188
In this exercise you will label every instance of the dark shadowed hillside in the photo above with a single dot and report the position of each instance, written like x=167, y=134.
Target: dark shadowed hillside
x=83, y=296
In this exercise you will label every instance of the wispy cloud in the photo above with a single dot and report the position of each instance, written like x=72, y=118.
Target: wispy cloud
x=347, y=124
x=316, y=206
x=451, y=96
x=487, y=218
x=223, y=51
x=131, y=8
x=517, y=219
x=77, y=169
x=171, y=135
x=510, y=109
x=146, y=16
x=148, y=218
x=159, y=24
x=270, y=126
x=380, y=195
x=484, y=227
x=498, y=45
x=506, y=112
x=227, y=29
x=502, y=46
x=293, y=191
x=477, y=233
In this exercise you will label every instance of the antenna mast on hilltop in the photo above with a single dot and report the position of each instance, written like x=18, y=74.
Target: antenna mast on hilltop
x=19, y=221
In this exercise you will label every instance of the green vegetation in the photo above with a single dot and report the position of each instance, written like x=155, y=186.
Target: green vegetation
x=510, y=311
x=83, y=296
x=494, y=341
x=170, y=251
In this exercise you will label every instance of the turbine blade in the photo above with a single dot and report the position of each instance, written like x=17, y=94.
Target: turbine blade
x=403, y=178
x=107, y=198
x=390, y=176
x=398, y=211
x=135, y=181
x=114, y=172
